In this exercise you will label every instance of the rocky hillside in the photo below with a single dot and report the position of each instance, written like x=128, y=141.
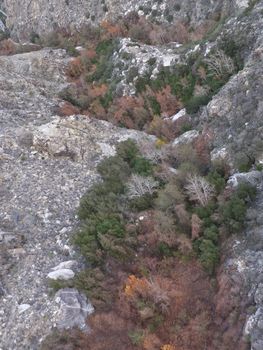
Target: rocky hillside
x=41, y=16
x=47, y=163
x=193, y=79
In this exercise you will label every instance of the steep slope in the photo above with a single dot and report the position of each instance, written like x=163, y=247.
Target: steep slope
x=47, y=163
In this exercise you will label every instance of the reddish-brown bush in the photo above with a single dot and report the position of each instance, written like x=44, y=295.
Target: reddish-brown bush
x=67, y=109
x=75, y=68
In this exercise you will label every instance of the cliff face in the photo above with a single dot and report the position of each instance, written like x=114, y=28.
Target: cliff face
x=44, y=16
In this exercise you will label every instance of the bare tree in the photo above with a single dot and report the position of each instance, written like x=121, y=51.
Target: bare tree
x=158, y=294
x=139, y=185
x=199, y=189
x=220, y=64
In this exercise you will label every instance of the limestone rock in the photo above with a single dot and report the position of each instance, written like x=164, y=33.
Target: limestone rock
x=253, y=178
x=65, y=265
x=187, y=137
x=74, y=309
x=23, y=307
x=61, y=274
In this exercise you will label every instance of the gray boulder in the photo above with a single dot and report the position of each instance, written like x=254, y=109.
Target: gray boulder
x=62, y=274
x=74, y=309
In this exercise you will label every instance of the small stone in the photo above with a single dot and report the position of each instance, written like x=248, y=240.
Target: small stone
x=65, y=265
x=62, y=274
x=23, y=307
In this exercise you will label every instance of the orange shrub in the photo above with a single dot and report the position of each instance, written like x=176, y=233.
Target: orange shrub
x=167, y=101
x=75, y=68
x=112, y=30
x=133, y=285
x=129, y=111
x=98, y=90
x=167, y=347
x=68, y=109
x=7, y=47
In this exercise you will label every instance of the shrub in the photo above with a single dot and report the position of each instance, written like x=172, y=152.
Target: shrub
x=75, y=68
x=136, y=337
x=233, y=49
x=211, y=233
x=142, y=166
x=220, y=65
x=217, y=180
x=194, y=103
x=155, y=106
x=105, y=47
x=187, y=154
x=233, y=211
x=111, y=225
x=99, y=199
x=169, y=197
x=204, y=212
x=246, y=192
x=259, y=167
x=244, y=162
x=100, y=235
x=233, y=214
x=114, y=169
x=164, y=250
x=209, y=255
x=91, y=282
x=142, y=203
x=128, y=151
x=184, y=170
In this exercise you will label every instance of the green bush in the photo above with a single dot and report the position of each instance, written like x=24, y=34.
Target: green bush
x=211, y=233
x=208, y=255
x=136, y=337
x=233, y=211
x=91, y=282
x=155, y=106
x=246, y=192
x=100, y=235
x=217, y=180
x=128, y=151
x=107, y=99
x=233, y=214
x=111, y=225
x=105, y=47
x=194, y=103
x=164, y=250
x=259, y=167
x=114, y=169
x=233, y=48
x=142, y=166
x=142, y=203
x=99, y=199
x=141, y=83
x=205, y=212
x=169, y=197
x=244, y=162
